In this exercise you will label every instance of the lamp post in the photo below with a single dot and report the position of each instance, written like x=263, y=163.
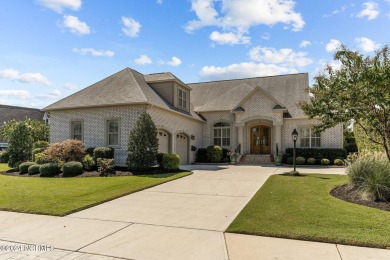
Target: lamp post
x=294, y=135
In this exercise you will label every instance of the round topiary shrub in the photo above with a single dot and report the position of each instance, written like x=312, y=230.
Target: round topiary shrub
x=72, y=168
x=325, y=161
x=23, y=167
x=300, y=160
x=33, y=169
x=4, y=157
x=49, y=169
x=311, y=161
x=290, y=160
x=170, y=162
x=338, y=162
x=214, y=153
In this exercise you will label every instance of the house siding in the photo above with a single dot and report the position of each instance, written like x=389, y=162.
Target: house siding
x=165, y=89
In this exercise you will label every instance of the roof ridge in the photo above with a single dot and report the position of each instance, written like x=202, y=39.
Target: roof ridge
x=28, y=108
x=129, y=70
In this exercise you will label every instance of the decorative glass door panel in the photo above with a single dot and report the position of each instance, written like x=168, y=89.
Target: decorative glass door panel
x=261, y=139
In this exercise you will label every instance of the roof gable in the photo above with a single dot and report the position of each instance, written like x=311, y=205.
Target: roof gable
x=263, y=92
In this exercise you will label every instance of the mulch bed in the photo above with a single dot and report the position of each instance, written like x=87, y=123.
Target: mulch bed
x=350, y=194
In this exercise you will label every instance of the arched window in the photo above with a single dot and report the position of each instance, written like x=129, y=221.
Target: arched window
x=222, y=134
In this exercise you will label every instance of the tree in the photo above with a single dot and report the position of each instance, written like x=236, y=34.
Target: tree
x=19, y=143
x=358, y=91
x=143, y=144
x=38, y=129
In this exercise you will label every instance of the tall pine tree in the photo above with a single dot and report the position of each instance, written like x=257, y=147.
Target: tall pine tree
x=143, y=144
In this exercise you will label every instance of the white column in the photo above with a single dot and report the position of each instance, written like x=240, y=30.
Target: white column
x=240, y=131
x=278, y=138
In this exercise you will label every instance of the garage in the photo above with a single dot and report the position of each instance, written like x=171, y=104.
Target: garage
x=182, y=148
x=163, y=141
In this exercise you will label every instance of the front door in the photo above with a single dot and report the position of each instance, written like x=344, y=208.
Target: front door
x=261, y=139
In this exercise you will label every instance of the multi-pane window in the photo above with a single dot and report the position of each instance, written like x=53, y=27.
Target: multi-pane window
x=309, y=138
x=222, y=134
x=113, y=132
x=76, y=130
x=182, y=100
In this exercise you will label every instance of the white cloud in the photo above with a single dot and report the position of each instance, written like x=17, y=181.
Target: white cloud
x=242, y=14
x=371, y=11
x=93, y=52
x=22, y=94
x=30, y=78
x=75, y=25
x=229, y=38
x=143, y=60
x=130, y=26
x=285, y=57
x=160, y=2
x=304, y=44
x=367, y=45
x=243, y=70
x=174, y=62
x=60, y=5
x=332, y=45
x=69, y=85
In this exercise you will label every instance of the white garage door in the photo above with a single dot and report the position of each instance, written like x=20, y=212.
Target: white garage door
x=182, y=148
x=163, y=141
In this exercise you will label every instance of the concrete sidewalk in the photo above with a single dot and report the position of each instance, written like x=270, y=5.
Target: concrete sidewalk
x=182, y=219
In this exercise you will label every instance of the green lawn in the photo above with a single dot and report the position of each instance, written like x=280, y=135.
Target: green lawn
x=3, y=167
x=302, y=208
x=62, y=196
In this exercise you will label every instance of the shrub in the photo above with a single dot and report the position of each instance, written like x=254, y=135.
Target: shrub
x=33, y=169
x=105, y=166
x=338, y=162
x=371, y=177
x=325, y=161
x=201, y=155
x=352, y=157
x=142, y=144
x=225, y=153
x=290, y=160
x=170, y=162
x=318, y=153
x=35, y=151
x=103, y=152
x=311, y=161
x=4, y=157
x=159, y=159
x=49, y=169
x=72, y=168
x=90, y=150
x=214, y=153
x=40, y=158
x=68, y=150
x=300, y=160
x=19, y=143
x=40, y=144
x=23, y=167
x=88, y=162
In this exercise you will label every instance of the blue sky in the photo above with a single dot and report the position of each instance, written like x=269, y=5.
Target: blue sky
x=50, y=49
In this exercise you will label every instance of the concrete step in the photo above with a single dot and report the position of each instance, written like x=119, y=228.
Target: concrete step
x=255, y=159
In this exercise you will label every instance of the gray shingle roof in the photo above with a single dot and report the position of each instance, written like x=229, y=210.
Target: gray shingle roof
x=289, y=90
x=163, y=76
x=8, y=113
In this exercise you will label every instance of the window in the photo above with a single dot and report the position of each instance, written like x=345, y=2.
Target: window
x=182, y=100
x=309, y=138
x=222, y=134
x=76, y=130
x=113, y=132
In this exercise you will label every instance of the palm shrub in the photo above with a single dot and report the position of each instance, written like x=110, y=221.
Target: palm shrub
x=214, y=153
x=23, y=167
x=143, y=144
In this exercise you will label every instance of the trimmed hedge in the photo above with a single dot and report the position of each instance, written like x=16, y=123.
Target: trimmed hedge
x=338, y=162
x=23, y=167
x=90, y=150
x=170, y=162
x=103, y=152
x=311, y=161
x=4, y=157
x=159, y=158
x=325, y=161
x=201, y=155
x=33, y=169
x=72, y=168
x=318, y=153
x=300, y=160
x=49, y=169
x=214, y=153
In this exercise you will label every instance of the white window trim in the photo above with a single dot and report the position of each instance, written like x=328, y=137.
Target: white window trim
x=221, y=137
x=72, y=130
x=310, y=128
x=107, y=132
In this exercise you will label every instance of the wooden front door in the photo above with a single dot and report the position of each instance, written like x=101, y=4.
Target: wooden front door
x=261, y=139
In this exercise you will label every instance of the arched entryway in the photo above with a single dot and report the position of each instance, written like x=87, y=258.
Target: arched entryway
x=260, y=139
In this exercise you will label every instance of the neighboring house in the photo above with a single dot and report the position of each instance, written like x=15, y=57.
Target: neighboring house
x=248, y=115
x=8, y=113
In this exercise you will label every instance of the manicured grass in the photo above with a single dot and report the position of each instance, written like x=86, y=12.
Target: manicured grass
x=4, y=167
x=302, y=208
x=62, y=196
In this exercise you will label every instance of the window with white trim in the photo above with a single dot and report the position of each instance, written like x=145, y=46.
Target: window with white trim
x=182, y=98
x=76, y=130
x=309, y=138
x=112, y=132
x=222, y=134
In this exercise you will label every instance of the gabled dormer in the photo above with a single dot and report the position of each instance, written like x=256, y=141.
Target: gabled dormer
x=172, y=89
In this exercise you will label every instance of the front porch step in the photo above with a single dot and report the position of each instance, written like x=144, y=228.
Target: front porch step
x=255, y=159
